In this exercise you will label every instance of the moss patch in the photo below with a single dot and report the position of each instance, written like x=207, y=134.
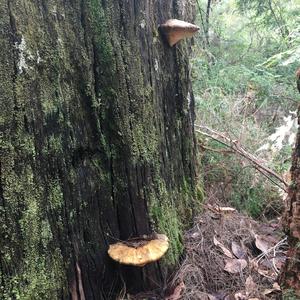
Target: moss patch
x=172, y=212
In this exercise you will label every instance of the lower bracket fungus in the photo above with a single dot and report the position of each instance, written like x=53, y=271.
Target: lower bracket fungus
x=175, y=30
x=139, y=251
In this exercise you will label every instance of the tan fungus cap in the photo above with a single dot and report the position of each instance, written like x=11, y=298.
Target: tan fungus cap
x=176, y=30
x=141, y=252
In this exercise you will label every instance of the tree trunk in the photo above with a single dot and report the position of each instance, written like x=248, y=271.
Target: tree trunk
x=290, y=276
x=97, y=143
x=207, y=22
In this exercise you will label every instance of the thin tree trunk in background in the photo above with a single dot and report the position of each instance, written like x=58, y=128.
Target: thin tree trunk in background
x=203, y=23
x=281, y=24
x=208, y=8
x=97, y=143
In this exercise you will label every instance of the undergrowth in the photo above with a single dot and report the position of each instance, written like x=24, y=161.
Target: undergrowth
x=244, y=90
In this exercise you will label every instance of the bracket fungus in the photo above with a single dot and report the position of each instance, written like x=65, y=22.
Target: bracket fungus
x=139, y=251
x=175, y=30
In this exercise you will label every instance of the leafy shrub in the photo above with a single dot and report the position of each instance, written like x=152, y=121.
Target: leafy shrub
x=245, y=89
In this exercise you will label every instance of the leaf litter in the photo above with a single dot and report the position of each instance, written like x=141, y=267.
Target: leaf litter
x=228, y=256
x=231, y=257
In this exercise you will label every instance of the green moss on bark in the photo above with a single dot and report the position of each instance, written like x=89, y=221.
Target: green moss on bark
x=82, y=121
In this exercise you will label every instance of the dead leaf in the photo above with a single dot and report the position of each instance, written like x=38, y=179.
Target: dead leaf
x=276, y=286
x=269, y=291
x=177, y=292
x=261, y=243
x=237, y=250
x=250, y=286
x=224, y=249
x=235, y=265
x=267, y=274
x=240, y=296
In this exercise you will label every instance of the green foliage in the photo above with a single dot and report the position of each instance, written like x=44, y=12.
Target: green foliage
x=289, y=295
x=244, y=87
x=270, y=14
x=288, y=56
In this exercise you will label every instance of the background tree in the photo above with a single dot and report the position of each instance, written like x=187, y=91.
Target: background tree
x=248, y=92
x=97, y=143
x=290, y=275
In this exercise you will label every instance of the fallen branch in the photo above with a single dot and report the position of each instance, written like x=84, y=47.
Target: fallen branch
x=237, y=148
x=265, y=254
x=215, y=150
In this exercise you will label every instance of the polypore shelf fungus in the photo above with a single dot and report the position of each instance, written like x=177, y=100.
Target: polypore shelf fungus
x=175, y=30
x=139, y=251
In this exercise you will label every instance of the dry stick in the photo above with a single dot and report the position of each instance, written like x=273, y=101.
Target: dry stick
x=224, y=140
x=215, y=150
x=262, y=255
x=262, y=169
x=273, y=261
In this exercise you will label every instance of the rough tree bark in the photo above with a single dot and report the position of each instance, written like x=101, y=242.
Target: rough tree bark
x=290, y=276
x=97, y=143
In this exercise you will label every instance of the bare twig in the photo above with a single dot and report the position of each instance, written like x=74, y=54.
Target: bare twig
x=237, y=148
x=262, y=255
x=215, y=150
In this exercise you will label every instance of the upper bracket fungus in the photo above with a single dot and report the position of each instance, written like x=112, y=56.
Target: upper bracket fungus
x=175, y=30
x=139, y=251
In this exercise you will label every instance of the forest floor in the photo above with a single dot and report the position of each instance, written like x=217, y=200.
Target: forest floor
x=229, y=256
